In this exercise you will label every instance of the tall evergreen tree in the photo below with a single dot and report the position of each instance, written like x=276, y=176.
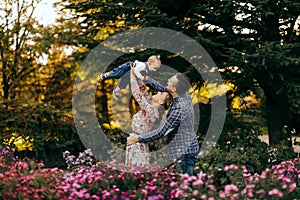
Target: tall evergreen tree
x=257, y=38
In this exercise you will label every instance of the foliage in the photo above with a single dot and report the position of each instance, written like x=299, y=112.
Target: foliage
x=22, y=44
x=45, y=132
x=250, y=42
x=30, y=180
x=241, y=147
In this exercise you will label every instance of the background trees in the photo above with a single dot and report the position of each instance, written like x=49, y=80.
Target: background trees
x=255, y=45
x=21, y=49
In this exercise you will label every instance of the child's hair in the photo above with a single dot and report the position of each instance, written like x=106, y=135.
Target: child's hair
x=154, y=59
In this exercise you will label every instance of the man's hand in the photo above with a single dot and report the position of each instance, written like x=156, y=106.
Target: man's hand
x=133, y=138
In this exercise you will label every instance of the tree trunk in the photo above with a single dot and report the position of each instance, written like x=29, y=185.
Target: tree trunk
x=5, y=86
x=276, y=117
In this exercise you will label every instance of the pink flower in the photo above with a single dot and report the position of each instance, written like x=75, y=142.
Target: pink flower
x=195, y=192
x=284, y=186
x=144, y=191
x=184, y=176
x=230, y=167
x=245, y=170
x=201, y=175
x=95, y=197
x=211, y=187
x=198, y=182
x=76, y=185
x=110, y=176
x=222, y=194
x=250, y=194
x=261, y=191
x=263, y=175
x=151, y=188
x=292, y=187
x=168, y=179
x=173, y=184
x=275, y=191
x=179, y=193
x=231, y=187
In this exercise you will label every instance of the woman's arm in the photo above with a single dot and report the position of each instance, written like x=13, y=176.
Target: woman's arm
x=137, y=91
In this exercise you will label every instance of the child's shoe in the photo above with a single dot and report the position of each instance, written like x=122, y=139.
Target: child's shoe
x=103, y=77
x=116, y=94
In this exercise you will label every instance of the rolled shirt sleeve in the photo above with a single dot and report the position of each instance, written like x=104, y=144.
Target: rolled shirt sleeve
x=171, y=122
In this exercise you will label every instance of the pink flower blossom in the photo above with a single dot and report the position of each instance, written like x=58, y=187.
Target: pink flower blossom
x=198, y=182
x=261, y=191
x=151, y=188
x=275, y=191
x=179, y=193
x=292, y=187
x=173, y=184
x=195, y=192
x=230, y=167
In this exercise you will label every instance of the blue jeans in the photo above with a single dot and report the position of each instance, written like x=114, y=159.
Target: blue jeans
x=119, y=72
x=187, y=163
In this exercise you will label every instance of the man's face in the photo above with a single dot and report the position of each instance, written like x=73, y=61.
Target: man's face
x=172, y=82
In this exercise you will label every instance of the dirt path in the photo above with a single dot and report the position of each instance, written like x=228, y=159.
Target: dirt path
x=265, y=138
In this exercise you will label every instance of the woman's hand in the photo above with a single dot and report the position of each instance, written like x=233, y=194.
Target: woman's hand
x=132, y=66
x=133, y=138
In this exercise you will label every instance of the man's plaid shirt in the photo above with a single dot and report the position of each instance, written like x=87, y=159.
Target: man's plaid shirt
x=180, y=120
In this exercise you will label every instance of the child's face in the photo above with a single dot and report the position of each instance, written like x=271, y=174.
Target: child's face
x=154, y=66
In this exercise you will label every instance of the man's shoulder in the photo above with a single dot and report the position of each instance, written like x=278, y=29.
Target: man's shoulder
x=185, y=102
x=186, y=98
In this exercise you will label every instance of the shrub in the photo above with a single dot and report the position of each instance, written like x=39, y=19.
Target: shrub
x=44, y=131
x=27, y=179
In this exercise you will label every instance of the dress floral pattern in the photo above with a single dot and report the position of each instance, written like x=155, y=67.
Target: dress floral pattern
x=138, y=154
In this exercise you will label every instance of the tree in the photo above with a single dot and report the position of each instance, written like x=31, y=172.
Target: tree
x=21, y=47
x=260, y=39
x=254, y=44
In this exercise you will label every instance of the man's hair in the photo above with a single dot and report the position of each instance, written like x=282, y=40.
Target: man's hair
x=183, y=84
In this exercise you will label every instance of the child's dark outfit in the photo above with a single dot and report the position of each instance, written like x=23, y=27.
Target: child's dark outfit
x=121, y=71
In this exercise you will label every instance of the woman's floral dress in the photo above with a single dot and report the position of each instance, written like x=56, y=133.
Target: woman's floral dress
x=138, y=154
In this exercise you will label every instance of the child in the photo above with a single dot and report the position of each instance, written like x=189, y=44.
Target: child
x=153, y=63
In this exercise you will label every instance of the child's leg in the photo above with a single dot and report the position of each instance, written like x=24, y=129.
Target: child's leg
x=124, y=81
x=119, y=71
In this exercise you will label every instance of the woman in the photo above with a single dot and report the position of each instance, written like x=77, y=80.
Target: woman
x=138, y=154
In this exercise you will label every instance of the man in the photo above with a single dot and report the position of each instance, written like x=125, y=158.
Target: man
x=180, y=120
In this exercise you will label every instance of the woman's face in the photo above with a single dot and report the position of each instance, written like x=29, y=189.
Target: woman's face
x=160, y=97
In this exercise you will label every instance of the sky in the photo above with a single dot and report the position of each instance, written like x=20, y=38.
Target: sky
x=45, y=12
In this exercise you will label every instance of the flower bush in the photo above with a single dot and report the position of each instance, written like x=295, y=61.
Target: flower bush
x=27, y=179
